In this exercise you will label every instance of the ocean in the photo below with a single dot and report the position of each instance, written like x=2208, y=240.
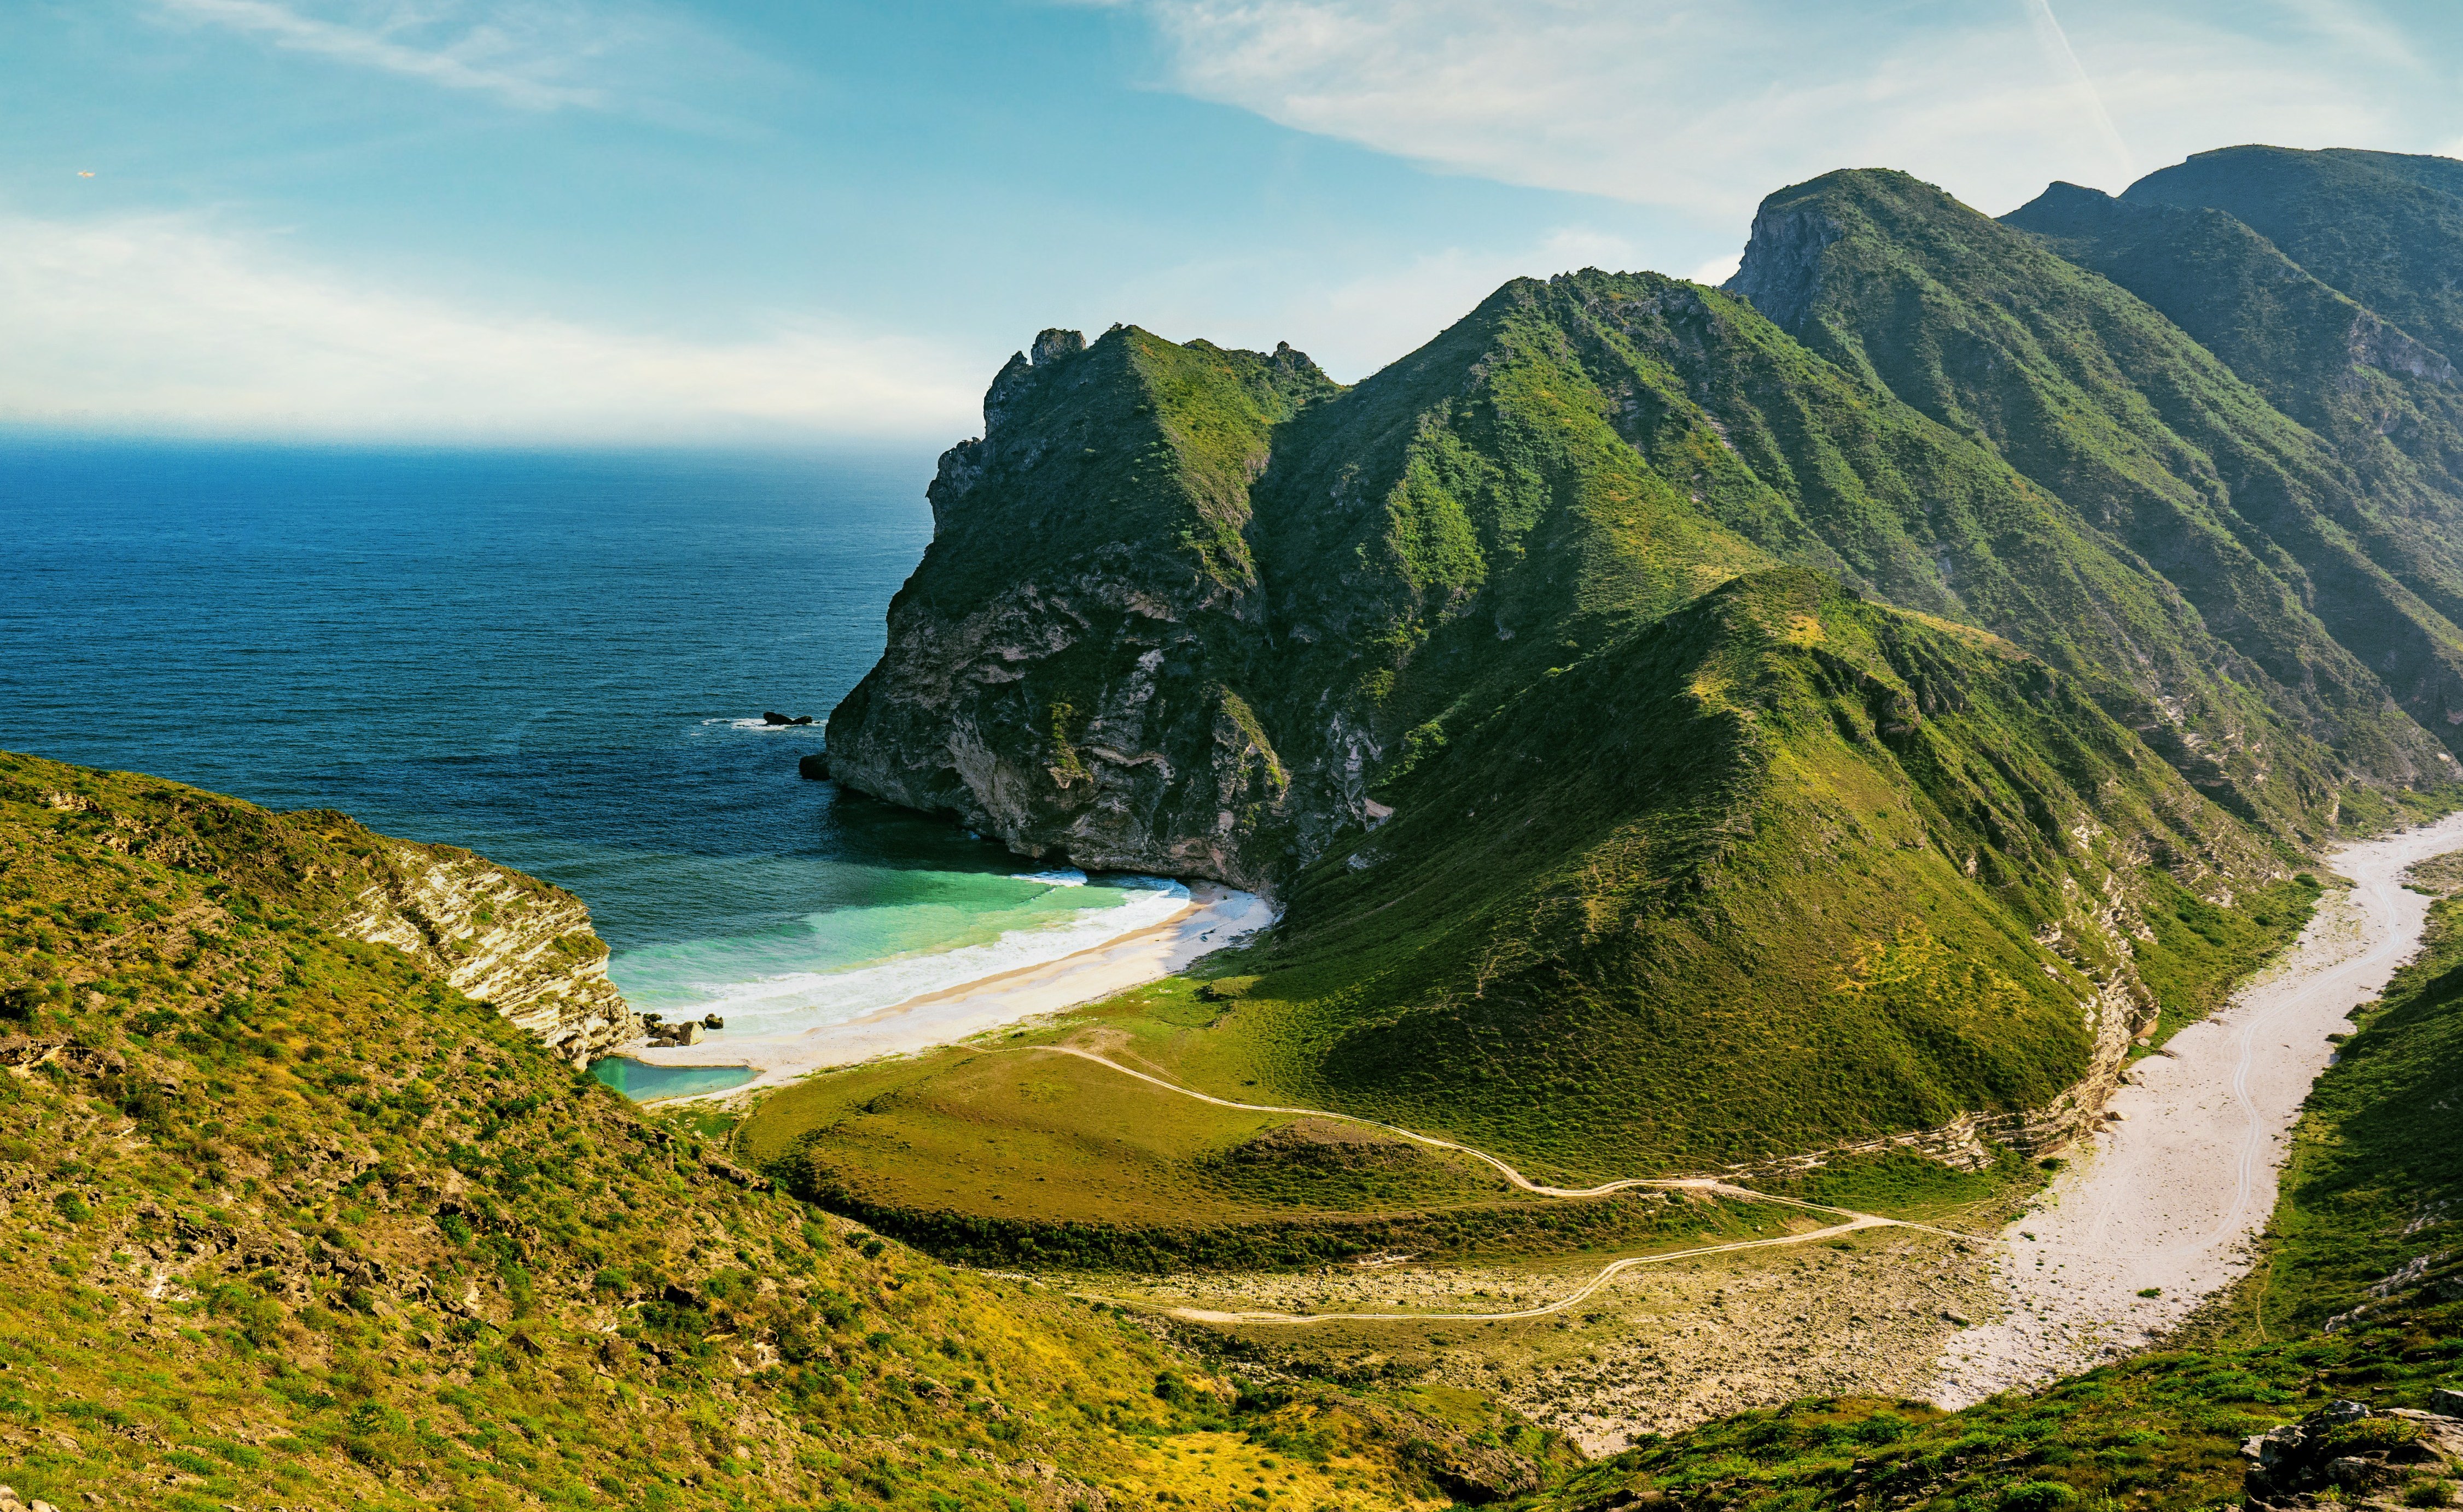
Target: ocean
x=558, y=659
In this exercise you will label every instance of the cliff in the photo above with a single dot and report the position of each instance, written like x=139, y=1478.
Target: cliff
x=513, y=941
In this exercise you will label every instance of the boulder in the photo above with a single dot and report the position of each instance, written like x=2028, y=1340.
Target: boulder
x=774, y=717
x=2351, y=1453
x=712, y=1021
x=802, y=719
x=814, y=767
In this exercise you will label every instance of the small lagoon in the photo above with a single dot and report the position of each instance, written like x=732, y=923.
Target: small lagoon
x=644, y=1082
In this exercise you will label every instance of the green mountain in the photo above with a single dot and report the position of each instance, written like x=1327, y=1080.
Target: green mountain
x=2146, y=438
x=2384, y=227
x=295, y=1222
x=1428, y=658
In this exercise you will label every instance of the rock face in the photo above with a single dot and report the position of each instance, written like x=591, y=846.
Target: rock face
x=2348, y=1455
x=512, y=941
x=1062, y=670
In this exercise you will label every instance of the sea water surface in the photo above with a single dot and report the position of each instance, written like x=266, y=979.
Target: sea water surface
x=557, y=659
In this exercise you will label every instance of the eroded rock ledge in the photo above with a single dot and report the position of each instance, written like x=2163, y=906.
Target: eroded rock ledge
x=523, y=946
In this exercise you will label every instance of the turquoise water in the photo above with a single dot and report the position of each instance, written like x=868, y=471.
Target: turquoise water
x=641, y=1081
x=560, y=661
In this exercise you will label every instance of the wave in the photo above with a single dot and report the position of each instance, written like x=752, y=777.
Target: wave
x=728, y=977
x=1066, y=877
x=763, y=725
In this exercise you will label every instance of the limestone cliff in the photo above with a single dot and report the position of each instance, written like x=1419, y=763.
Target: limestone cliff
x=1063, y=669
x=519, y=945
x=522, y=946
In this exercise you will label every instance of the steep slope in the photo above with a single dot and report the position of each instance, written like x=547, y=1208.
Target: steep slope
x=2358, y=1298
x=2380, y=227
x=1066, y=666
x=2392, y=407
x=296, y=1222
x=1784, y=869
x=2143, y=434
x=513, y=941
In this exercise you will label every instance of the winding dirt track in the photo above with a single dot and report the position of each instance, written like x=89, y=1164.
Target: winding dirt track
x=1699, y=1183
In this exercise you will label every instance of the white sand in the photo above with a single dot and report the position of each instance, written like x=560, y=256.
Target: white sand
x=1215, y=916
x=2172, y=1196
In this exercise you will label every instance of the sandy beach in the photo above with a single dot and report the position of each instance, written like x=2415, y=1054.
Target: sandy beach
x=1215, y=916
x=2169, y=1198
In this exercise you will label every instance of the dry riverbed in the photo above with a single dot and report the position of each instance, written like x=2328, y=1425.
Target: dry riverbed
x=2160, y=1210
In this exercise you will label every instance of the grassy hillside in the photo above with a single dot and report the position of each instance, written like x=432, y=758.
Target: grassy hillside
x=2382, y=228
x=1784, y=869
x=2142, y=433
x=2358, y=1296
x=2391, y=408
x=294, y=1223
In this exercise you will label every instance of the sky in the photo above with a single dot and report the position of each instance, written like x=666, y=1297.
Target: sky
x=792, y=221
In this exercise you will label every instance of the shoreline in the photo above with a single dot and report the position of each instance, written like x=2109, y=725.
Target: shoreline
x=2171, y=1197
x=1214, y=917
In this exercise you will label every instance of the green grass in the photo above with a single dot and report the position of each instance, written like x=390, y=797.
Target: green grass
x=298, y=1223
x=2199, y=951
x=1002, y=1156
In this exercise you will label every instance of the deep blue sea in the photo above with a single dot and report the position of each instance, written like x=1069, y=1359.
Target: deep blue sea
x=557, y=659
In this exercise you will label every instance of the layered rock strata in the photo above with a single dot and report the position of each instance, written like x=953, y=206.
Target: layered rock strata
x=521, y=945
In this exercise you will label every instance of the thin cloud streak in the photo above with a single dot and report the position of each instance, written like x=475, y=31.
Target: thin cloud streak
x=2056, y=41
x=1705, y=109
x=158, y=324
x=451, y=68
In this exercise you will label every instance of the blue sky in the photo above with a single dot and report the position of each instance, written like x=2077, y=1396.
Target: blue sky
x=579, y=220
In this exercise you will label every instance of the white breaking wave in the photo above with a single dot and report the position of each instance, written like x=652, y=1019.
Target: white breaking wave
x=814, y=729
x=1067, y=876
x=789, y=1002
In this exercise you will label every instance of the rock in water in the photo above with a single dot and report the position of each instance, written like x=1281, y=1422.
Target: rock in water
x=815, y=767
x=802, y=719
x=774, y=717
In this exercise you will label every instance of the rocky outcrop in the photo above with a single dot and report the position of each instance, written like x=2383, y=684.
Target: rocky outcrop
x=2348, y=1455
x=513, y=941
x=1062, y=670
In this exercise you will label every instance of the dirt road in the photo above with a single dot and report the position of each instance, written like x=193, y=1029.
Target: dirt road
x=1608, y=1272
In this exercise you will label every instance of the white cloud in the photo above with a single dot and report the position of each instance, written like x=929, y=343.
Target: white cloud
x=533, y=55
x=1708, y=107
x=162, y=324
x=484, y=58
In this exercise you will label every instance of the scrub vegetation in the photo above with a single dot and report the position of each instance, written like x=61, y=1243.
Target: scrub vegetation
x=294, y=1223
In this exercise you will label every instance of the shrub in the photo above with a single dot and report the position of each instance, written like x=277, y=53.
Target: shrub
x=2038, y=1496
